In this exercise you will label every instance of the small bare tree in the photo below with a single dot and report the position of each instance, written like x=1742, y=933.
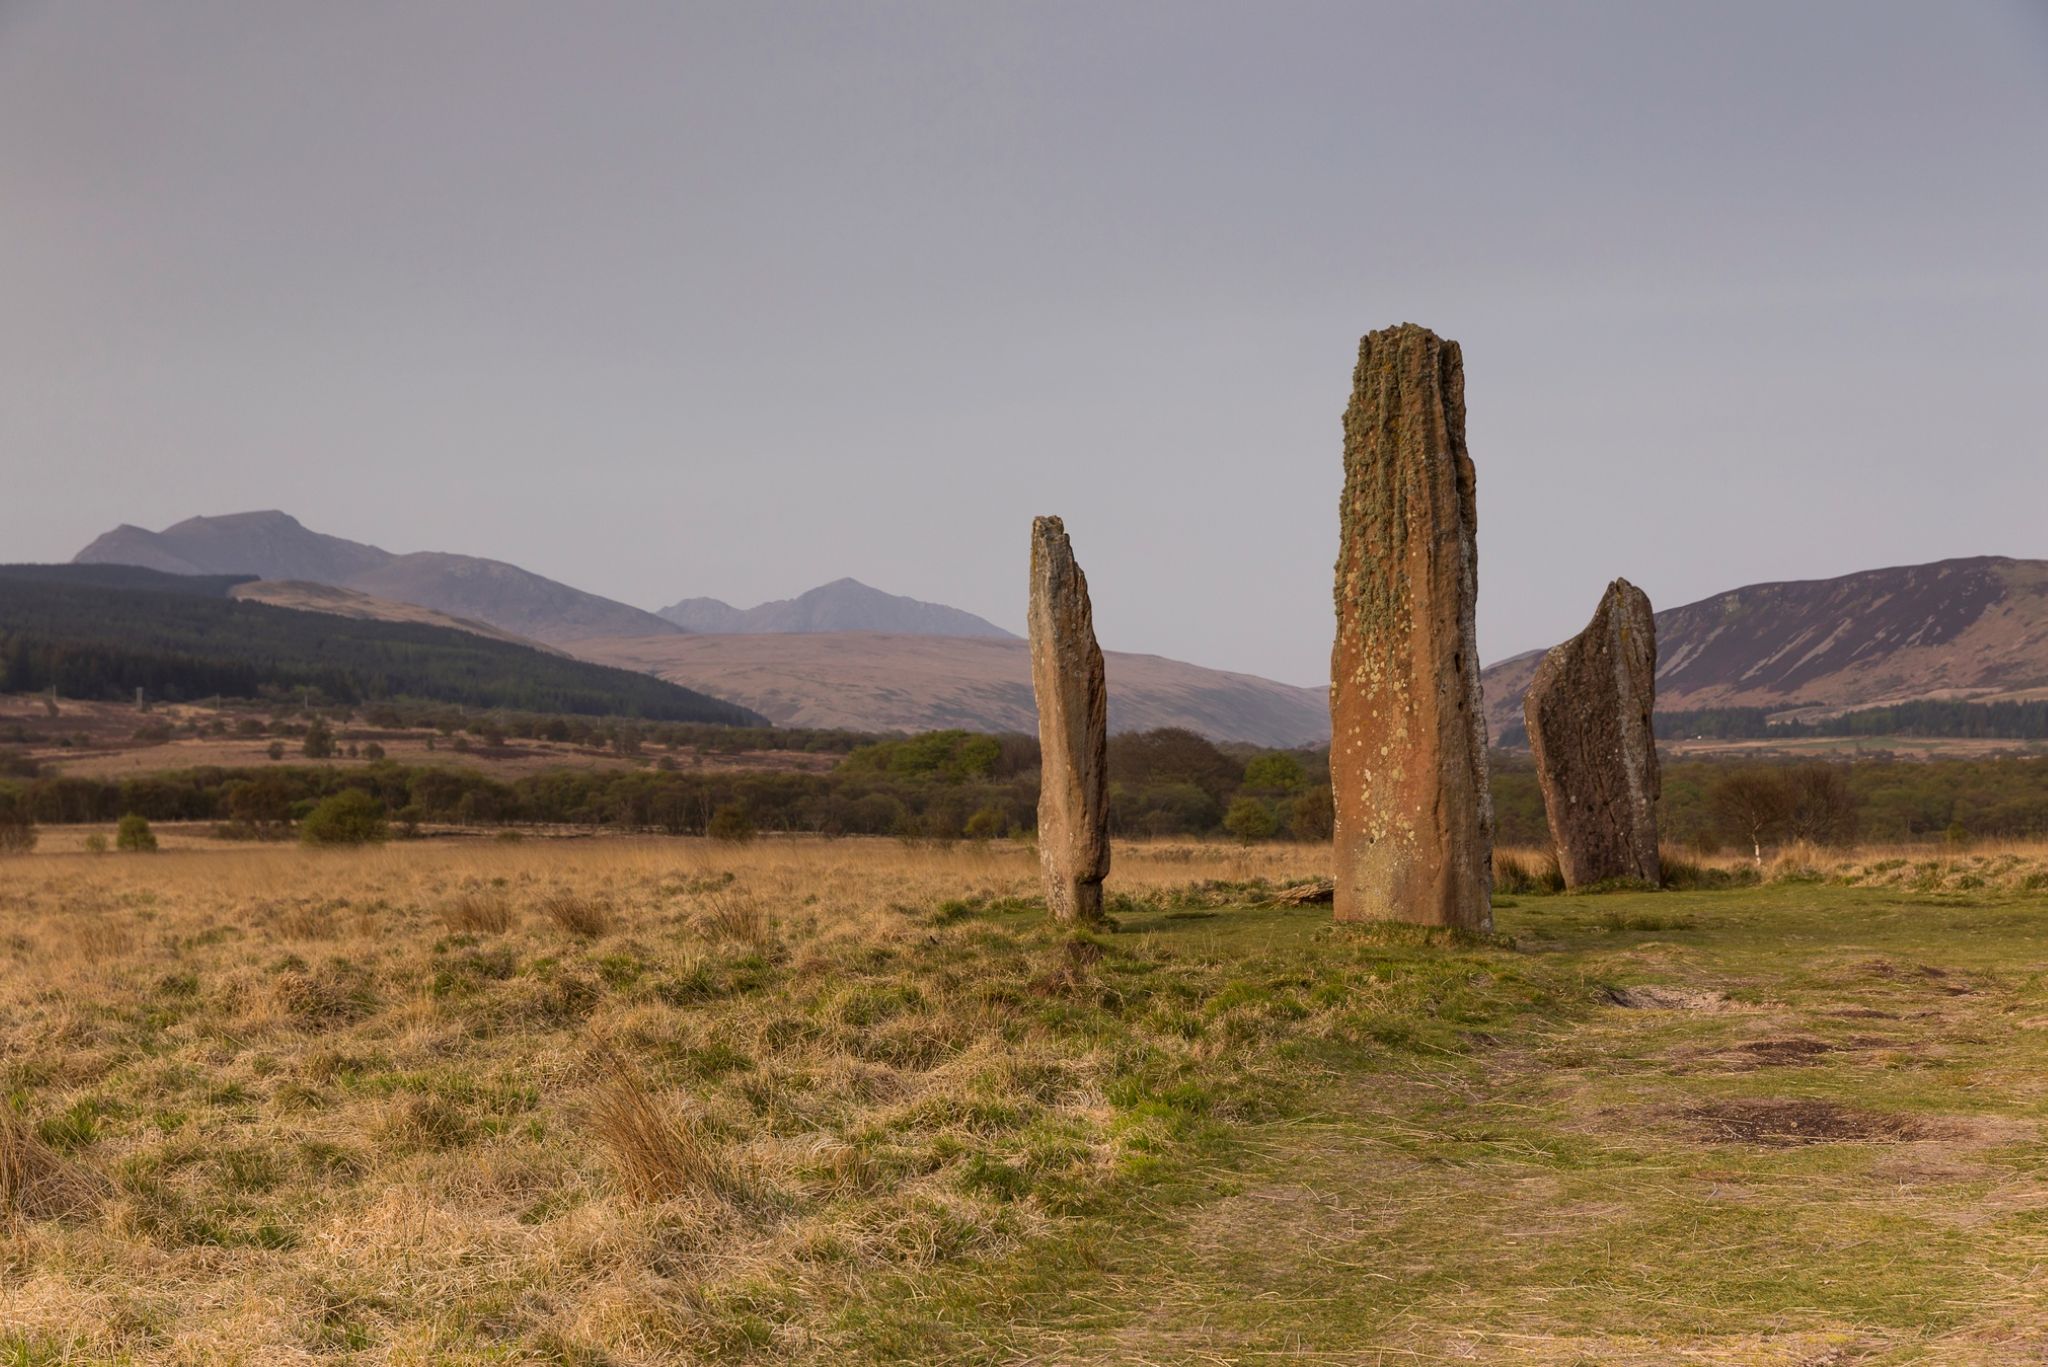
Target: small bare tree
x=1750, y=804
x=1818, y=804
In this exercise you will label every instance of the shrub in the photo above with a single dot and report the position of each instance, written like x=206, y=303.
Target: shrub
x=134, y=835
x=1313, y=815
x=95, y=843
x=731, y=824
x=351, y=817
x=1278, y=772
x=319, y=743
x=949, y=756
x=1250, y=819
x=275, y=749
x=988, y=823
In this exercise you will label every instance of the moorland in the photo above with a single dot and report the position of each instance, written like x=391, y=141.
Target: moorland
x=793, y=1100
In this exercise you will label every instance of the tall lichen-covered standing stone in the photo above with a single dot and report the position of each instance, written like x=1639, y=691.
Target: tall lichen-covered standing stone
x=1408, y=745
x=1073, y=728
x=1596, y=754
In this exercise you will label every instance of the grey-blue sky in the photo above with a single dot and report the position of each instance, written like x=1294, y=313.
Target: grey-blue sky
x=671, y=299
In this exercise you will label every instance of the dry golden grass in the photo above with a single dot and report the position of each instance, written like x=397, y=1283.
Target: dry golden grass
x=657, y=1153
x=481, y=911
x=35, y=1182
x=834, y=1102
x=739, y=918
x=1997, y=865
x=576, y=913
x=318, y=1102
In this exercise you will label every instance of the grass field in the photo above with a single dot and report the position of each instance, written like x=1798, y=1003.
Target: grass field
x=619, y=1101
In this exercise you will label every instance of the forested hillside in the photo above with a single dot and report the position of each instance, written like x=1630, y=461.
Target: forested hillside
x=89, y=640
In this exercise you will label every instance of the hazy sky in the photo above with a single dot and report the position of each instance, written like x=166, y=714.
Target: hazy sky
x=671, y=299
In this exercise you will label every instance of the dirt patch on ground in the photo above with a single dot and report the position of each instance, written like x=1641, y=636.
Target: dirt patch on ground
x=1780, y=1124
x=1780, y=1053
x=1663, y=997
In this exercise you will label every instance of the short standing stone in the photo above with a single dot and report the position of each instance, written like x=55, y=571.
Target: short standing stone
x=1073, y=728
x=1414, y=826
x=1588, y=712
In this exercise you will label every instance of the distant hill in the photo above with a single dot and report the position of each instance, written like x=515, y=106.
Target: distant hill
x=274, y=545
x=842, y=605
x=269, y=545
x=876, y=682
x=1974, y=629
x=65, y=626
x=306, y=596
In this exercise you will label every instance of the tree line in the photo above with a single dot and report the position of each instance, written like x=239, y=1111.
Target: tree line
x=1929, y=718
x=955, y=784
x=1713, y=804
x=945, y=785
x=1934, y=718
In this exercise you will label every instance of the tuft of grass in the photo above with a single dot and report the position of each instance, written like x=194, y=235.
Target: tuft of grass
x=656, y=1154
x=100, y=937
x=36, y=1182
x=1692, y=875
x=1798, y=862
x=1516, y=875
x=585, y=917
x=485, y=911
x=335, y=994
x=737, y=918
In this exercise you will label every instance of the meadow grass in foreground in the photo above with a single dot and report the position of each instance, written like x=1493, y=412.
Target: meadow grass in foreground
x=664, y=1101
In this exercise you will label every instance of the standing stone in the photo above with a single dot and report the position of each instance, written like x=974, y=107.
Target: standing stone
x=1588, y=712
x=1414, y=837
x=1073, y=728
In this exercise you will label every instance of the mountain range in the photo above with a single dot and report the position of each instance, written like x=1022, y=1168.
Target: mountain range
x=845, y=654
x=1972, y=630
x=276, y=547
x=842, y=605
